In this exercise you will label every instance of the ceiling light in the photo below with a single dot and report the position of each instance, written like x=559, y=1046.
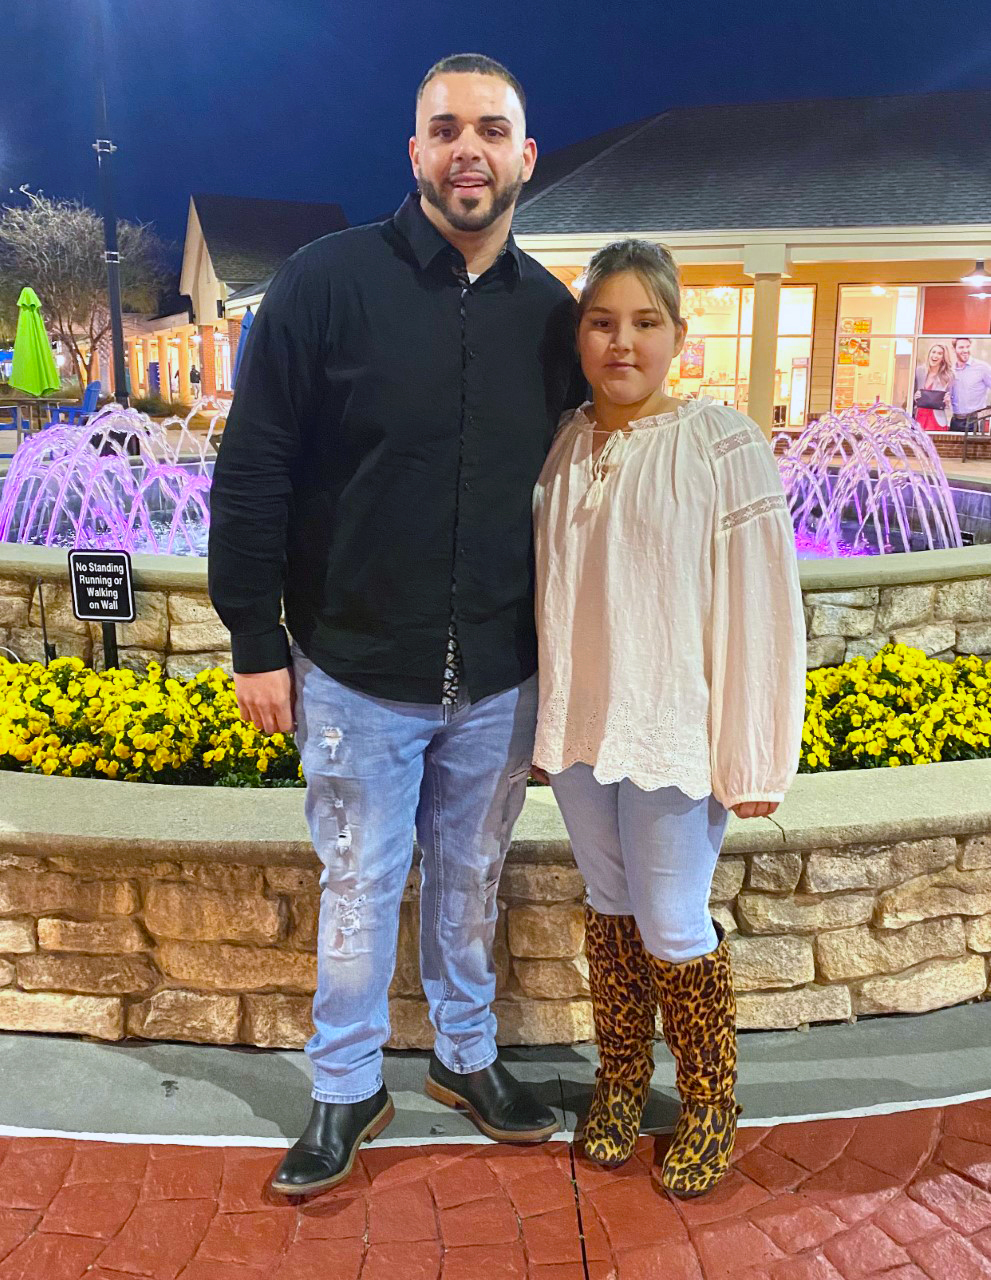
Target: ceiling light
x=979, y=277
x=878, y=290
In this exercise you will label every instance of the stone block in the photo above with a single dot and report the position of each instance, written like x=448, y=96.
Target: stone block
x=979, y=933
x=13, y=611
x=17, y=937
x=759, y=913
x=122, y=936
x=760, y=964
x=32, y=893
x=28, y=644
x=936, y=984
x=193, y=608
x=110, y=867
x=863, y=952
x=968, y=600
x=775, y=872
x=871, y=867
x=98, y=1016
x=552, y=979
x=196, y=637
x=410, y=1026
x=186, y=1015
x=277, y=1021
x=207, y=915
x=293, y=879
x=7, y=973
x=944, y=893
x=975, y=854
x=150, y=628
x=723, y=915
x=905, y=606
x=218, y=967
x=931, y=639
x=973, y=637
x=785, y=1010
x=304, y=920
x=826, y=651
x=537, y=882
x=544, y=1021
x=546, y=933
x=92, y=975
x=136, y=660
x=58, y=611
x=21, y=587
x=223, y=877
x=866, y=648
x=839, y=620
x=727, y=880
x=855, y=597
x=183, y=666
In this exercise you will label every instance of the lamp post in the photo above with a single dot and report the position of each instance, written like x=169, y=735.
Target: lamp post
x=105, y=149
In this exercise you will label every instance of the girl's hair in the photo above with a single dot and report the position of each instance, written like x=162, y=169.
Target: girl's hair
x=945, y=370
x=654, y=265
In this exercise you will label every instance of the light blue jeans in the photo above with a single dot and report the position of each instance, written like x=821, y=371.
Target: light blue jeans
x=648, y=854
x=375, y=771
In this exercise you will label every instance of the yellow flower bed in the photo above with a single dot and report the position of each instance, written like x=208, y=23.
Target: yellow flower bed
x=899, y=708
x=69, y=720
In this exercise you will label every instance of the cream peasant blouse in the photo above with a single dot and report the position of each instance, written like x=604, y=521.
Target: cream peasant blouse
x=669, y=612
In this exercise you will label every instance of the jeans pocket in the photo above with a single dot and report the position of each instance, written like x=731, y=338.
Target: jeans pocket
x=514, y=800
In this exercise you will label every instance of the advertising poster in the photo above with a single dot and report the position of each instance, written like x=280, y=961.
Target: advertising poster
x=855, y=351
x=693, y=358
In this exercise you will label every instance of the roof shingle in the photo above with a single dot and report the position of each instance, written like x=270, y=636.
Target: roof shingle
x=249, y=239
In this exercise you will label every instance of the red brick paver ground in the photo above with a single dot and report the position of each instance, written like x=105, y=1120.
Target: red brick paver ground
x=905, y=1197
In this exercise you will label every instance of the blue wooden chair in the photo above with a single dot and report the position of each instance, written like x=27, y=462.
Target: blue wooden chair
x=75, y=415
x=10, y=420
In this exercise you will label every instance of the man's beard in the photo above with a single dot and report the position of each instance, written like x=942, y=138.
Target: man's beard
x=473, y=219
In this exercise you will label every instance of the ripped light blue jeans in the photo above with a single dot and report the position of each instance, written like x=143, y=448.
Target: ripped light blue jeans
x=376, y=771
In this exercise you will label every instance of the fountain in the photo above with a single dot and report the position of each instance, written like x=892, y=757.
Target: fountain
x=867, y=481
x=81, y=486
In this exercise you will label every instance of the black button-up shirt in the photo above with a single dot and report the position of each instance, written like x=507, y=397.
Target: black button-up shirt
x=376, y=471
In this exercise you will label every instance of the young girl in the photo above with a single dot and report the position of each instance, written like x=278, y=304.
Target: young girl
x=672, y=676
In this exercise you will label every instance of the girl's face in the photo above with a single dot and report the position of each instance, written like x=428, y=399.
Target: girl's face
x=936, y=356
x=627, y=340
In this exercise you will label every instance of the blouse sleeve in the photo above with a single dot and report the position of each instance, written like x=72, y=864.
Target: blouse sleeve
x=757, y=625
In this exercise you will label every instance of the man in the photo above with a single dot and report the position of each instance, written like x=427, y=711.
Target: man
x=970, y=387
x=400, y=388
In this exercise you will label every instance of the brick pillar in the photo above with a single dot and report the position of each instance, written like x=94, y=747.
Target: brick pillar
x=132, y=366
x=185, y=386
x=208, y=361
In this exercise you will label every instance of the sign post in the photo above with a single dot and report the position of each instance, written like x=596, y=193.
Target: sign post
x=103, y=591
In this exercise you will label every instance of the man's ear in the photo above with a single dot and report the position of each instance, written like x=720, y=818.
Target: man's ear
x=414, y=156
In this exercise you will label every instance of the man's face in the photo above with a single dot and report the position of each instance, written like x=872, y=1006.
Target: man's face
x=470, y=154
x=962, y=348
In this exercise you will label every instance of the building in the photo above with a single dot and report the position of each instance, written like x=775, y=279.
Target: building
x=822, y=243
x=233, y=244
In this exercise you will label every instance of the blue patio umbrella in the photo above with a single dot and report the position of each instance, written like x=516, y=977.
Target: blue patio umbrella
x=246, y=320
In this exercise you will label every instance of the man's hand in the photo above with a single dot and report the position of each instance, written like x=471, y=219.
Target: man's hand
x=755, y=809
x=266, y=699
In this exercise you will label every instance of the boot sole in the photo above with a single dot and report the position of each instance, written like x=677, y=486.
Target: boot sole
x=529, y=1137
x=371, y=1130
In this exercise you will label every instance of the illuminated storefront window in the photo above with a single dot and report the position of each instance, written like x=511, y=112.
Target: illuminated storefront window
x=716, y=358
x=887, y=334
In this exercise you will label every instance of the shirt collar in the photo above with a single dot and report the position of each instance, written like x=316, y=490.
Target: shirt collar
x=427, y=242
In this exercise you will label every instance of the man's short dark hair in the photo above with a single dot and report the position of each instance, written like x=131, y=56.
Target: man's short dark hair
x=963, y=339
x=466, y=63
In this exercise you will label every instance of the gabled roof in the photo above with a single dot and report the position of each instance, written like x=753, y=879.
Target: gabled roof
x=249, y=239
x=909, y=159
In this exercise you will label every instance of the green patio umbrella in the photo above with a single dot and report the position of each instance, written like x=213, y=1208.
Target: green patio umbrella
x=34, y=368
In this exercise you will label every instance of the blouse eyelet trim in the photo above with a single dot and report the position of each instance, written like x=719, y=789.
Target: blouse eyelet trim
x=733, y=519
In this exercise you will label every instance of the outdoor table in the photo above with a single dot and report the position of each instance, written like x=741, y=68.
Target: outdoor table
x=34, y=409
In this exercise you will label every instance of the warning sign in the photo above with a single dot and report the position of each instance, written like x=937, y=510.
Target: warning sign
x=102, y=590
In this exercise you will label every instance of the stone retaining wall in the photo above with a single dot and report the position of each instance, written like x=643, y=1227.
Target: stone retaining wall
x=109, y=946
x=180, y=630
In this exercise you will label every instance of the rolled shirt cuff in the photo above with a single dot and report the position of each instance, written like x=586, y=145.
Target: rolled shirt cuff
x=756, y=797
x=268, y=651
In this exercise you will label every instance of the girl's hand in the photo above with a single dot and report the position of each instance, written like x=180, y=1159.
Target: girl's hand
x=755, y=809
x=538, y=775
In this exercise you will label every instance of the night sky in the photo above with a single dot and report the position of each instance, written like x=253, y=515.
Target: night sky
x=312, y=99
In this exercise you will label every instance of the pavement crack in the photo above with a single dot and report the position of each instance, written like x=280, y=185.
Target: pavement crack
x=574, y=1184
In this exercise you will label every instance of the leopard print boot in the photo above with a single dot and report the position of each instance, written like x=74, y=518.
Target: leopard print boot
x=624, y=1006
x=699, y=1014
